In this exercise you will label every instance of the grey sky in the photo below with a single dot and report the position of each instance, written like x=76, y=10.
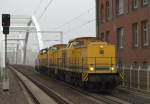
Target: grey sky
x=59, y=12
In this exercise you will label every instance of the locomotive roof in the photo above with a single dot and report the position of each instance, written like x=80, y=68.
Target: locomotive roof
x=58, y=45
x=43, y=49
x=83, y=38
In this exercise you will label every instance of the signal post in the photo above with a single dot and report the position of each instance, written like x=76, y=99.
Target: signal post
x=6, y=25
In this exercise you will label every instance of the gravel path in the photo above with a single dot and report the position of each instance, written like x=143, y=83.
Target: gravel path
x=15, y=94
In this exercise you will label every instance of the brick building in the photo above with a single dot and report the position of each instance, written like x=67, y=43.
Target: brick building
x=127, y=24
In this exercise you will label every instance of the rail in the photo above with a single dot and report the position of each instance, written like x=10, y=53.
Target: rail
x=35, y=100
x=44, y=88
x=106, y=99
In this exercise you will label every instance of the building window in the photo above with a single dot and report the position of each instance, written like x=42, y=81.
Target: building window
x=98, y=37
x=120, y=7
x=135, y=4
x=107, y=36
x=135, y=64
x=107, y=9
x=120, y=37
x=102, y=13
x=145, y=33
x=102, y=38
x=144, y=2
x=135, y=34
x=145, y=65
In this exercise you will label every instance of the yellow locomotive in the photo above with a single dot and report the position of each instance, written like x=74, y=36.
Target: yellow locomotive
x=86, y=62
x=42, y=60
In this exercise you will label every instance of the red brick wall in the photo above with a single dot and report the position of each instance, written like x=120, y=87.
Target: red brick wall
x=128, y=53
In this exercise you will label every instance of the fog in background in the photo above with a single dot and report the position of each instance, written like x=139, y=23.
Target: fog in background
x=75, y=18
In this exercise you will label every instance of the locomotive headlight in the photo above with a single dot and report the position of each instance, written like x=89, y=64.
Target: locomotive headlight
x=91, y=68
x=101, y=46
x=112, y=68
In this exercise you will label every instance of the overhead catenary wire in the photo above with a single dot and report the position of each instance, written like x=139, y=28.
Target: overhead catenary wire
x=83, y=24
x=73, y=19
x=37, y=8
x=50, y=40
x=45, y=9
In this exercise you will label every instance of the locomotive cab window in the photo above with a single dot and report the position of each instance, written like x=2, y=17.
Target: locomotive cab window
x=78, y=44
x=41, y=53
x=54, y=48
x=101, y=51
x=44, y=51
x=57, y=48
x=69, y=44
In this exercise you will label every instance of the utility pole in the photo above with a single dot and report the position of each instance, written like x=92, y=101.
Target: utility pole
x=97, y=17
x=6, y=25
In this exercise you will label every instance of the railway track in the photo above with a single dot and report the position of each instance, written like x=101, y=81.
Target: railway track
x=53, y=95
x=35, y=100
x=106, y=99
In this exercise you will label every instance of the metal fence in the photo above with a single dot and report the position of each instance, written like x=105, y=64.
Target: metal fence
x=136, y=77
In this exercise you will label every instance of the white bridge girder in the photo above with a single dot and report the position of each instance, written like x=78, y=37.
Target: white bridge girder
x=39, y=35
x=4, y=77
x=30, y=26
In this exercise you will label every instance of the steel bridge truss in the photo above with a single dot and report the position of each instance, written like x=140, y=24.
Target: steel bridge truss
x=25, y=24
